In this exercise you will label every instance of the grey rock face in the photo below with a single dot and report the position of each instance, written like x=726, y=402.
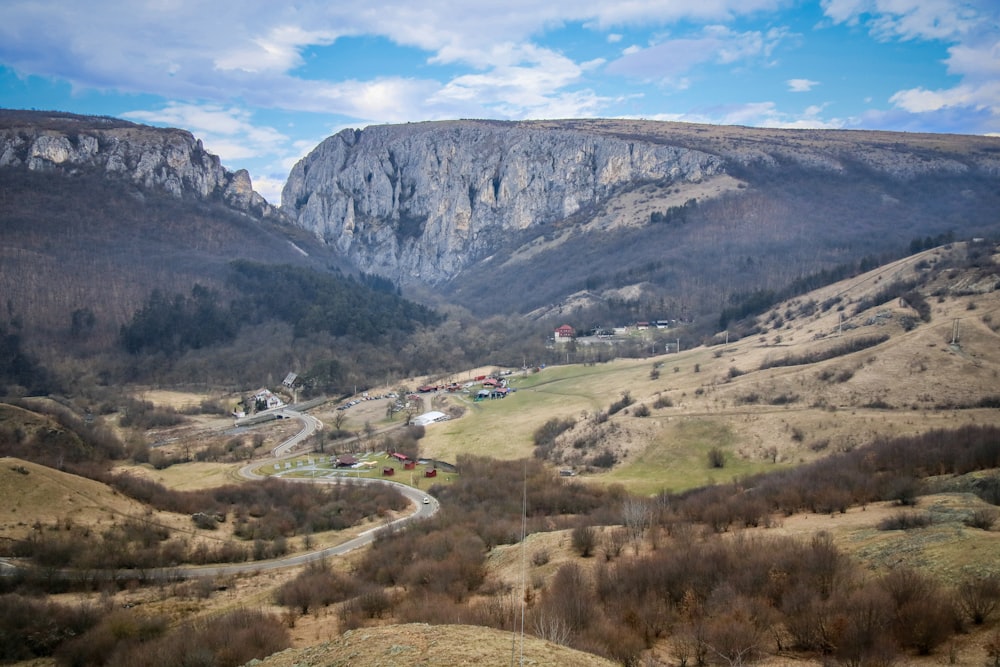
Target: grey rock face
x=423, y=201
x=169, y=160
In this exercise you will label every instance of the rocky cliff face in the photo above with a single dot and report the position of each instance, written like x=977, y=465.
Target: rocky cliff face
x=421, y=202
x=169, y=160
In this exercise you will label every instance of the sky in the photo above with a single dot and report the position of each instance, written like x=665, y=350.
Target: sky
x=262, y=82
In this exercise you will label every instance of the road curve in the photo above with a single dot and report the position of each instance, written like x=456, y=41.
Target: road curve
x=310, y=425
x=416, y=496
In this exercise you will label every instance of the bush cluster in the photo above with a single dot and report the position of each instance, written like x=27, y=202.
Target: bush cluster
x=264, y=514
x=847, y=347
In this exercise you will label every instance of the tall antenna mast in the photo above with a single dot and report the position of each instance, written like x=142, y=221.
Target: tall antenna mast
x=954, y=332
x=524, y=592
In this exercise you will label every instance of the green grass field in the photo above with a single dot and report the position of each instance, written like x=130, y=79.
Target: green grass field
x=678, y=459
x=504, y=428
x=309, y=466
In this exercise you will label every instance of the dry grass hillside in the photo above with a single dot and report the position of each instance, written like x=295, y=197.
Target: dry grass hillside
x=740, y=396
x=411, y=645
x=768, y=398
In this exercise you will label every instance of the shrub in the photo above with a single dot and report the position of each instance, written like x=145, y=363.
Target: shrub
x=716, y=458
x=619, y=405
x=546, y=434
x=605, y=459
x=923, y=616
x=978, y=597
x=982, y=519
x=641, y=410
x=584, y=540
x=663, y=401
x=906, y=521
x=540, y=557
x=33, y=628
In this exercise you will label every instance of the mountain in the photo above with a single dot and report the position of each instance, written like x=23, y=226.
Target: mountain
x=427, y=201
x=172, y=161
x=671, y=218
x=97, y=213
x=589, y=222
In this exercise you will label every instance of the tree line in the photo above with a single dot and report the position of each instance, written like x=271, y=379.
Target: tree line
x=307, y=300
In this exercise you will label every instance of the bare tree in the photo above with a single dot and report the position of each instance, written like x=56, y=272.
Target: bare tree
x=613, y=542
x=584, y=540
x=636, y=515
x=551, y=627
x=979, y=597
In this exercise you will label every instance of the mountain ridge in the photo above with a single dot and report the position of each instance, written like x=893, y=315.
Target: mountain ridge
x=172, y=160
x=449, y=204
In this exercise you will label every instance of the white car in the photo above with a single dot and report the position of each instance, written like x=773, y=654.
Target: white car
x=427, y=501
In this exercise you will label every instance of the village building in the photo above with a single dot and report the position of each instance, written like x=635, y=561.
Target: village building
x=429, y=418
x=564, y=334
x=265, y=399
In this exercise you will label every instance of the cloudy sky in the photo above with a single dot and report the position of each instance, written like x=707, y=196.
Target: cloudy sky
x=261, y=82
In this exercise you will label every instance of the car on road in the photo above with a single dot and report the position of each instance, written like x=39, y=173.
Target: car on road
x=427, y=501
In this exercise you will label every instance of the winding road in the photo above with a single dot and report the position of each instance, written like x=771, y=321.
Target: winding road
x=310, y=425
x=283, y=450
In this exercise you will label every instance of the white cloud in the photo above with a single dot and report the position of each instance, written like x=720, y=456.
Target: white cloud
x=667, y=61
x=251, y=50
x=756, y=114
x=970, y=27
x=225, y=131
x=920, y=100
x=277, y=51
x=801, y=85
x=270, y=187
x=912, y=19
x=230, y=133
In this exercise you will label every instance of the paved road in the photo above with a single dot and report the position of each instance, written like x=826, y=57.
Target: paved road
x=310, y=425
x=416, y=496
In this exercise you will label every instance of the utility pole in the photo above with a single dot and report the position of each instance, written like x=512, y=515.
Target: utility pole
x=954, y=332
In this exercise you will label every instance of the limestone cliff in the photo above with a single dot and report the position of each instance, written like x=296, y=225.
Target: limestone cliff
x=421, y=202
x=169, y=160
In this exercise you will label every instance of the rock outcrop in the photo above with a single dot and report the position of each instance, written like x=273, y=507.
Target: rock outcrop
x=422, y=202
x=169, y=160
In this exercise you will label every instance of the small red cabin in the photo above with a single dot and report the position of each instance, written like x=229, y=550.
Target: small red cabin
x=431, y=473
x=409, y=465
x=388, y=472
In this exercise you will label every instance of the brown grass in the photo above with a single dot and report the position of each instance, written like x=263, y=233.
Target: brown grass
x=420, y=644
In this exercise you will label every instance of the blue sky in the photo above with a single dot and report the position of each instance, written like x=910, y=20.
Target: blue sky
x=261, y=82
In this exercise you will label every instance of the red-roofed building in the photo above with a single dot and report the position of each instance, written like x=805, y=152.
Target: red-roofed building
x=564, y=333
